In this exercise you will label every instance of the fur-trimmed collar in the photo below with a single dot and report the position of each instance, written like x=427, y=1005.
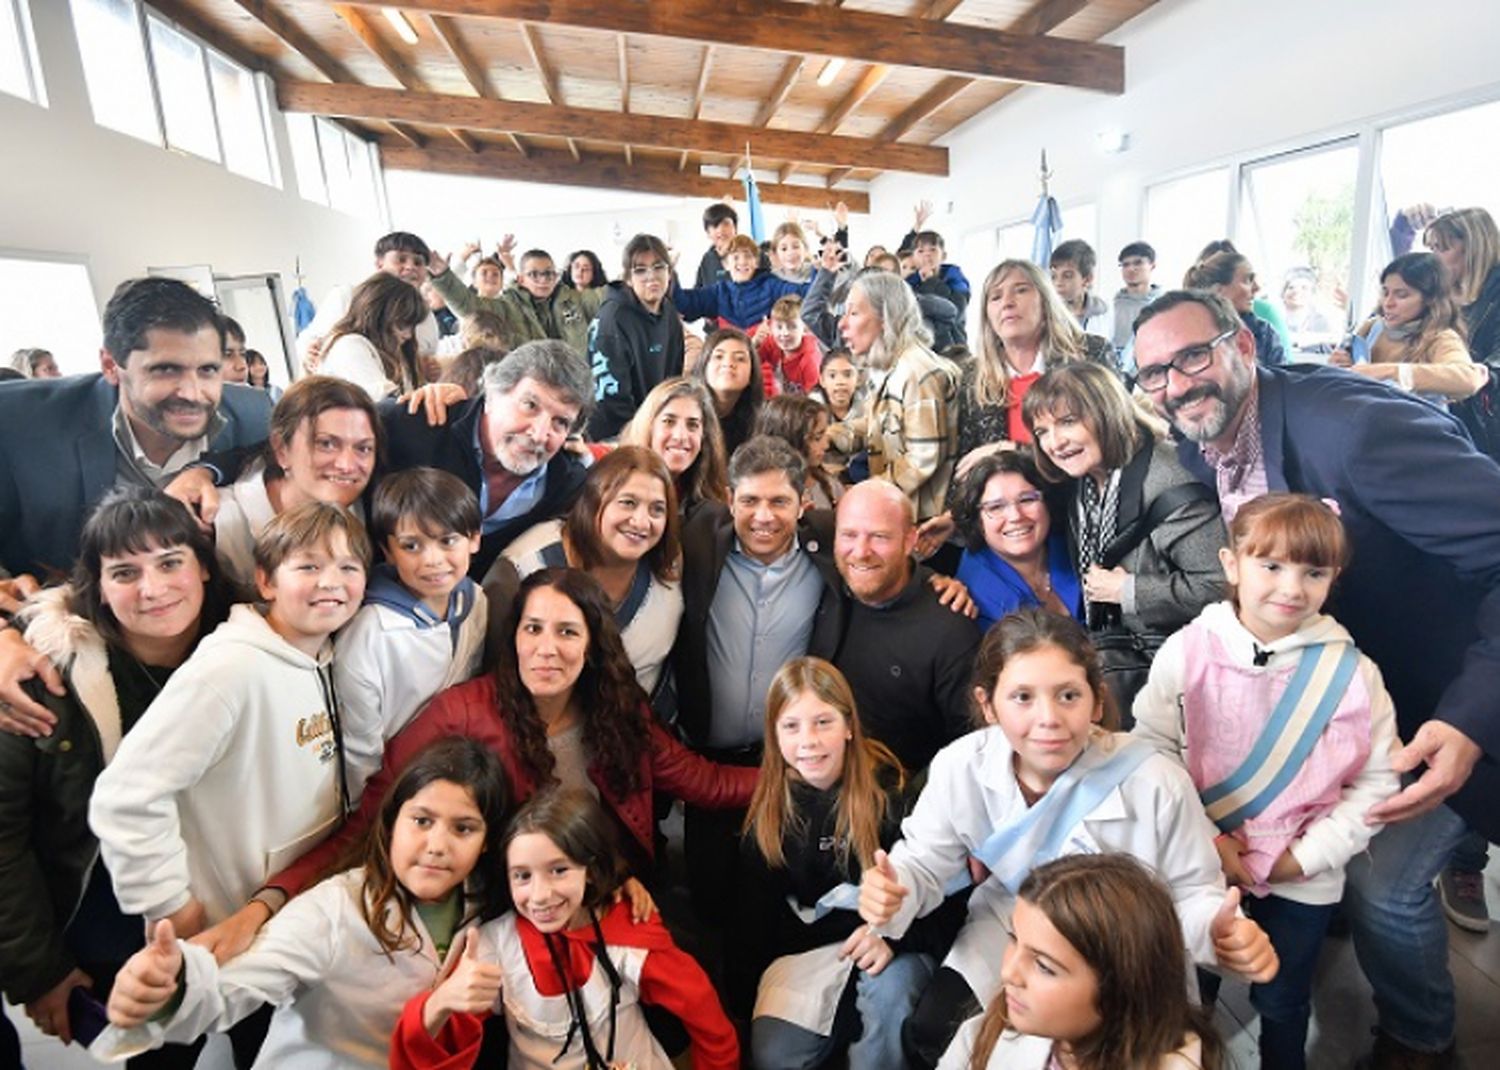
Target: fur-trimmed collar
x=77, y=649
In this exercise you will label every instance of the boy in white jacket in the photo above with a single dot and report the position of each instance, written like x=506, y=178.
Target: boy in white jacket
x=422, y=626
x=237, y=768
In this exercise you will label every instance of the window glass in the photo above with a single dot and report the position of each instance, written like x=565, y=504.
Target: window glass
x=1432, y=165
x=183, y=86
x=336, y=166
x=49, y=304
x=1182, y=216
x=1297, y=227
x=18, y=70
x=241, y=125
x=1014, y=240
x=305, y=159
x=114, y=66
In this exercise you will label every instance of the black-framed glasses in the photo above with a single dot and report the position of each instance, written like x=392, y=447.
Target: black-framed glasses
x=541, y=276
x=1189, y=360
x=998, y=507
x=644, y=271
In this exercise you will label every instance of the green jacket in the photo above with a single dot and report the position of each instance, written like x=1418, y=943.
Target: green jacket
x=46, y=847
x=565, y=315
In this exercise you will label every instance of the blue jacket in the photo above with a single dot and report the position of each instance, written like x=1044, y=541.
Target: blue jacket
x=58, y=458
x=1421, y=506
x=998, y=589
x=743, y=304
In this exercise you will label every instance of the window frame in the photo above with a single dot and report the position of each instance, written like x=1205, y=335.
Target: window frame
x=31, y=60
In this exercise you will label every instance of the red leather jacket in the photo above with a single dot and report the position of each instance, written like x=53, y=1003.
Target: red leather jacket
x=472, y=710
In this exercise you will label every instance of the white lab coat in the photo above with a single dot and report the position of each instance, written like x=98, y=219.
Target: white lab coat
x=337, y=994
x=971, y=791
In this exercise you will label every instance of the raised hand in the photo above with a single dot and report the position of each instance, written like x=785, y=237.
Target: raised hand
x=922, y=213
x=147, y=982
x=880, y=891
x=437, y=263
x=1240, y=944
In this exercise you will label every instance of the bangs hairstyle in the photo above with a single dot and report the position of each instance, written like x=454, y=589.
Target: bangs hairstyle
x=862, y=802
x=306, y=400
x=1031, y=629
x=402, y=241
x=1424, y=273
x=1062, y=339
x=742, y=417
x=472, y=766
x=787, y=309
x=141, y=305
x=743, y=243
x=381, y=306
x=578, y=825
x=1094, y=395
x=1295, y=527
x=1143, y=1007
x=968, y=496
x=616, y=735
x=604, y=481
x=600, y=278
x=647, y=244
x=789, y=230
x=707, y=478
x=312, y=524
x=437, y=502
x=134, y=520
x=1475, y=230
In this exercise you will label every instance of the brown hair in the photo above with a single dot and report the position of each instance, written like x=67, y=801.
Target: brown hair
x=968, y=494
x=743, y=243
x=306, y=400
x=581, y=525
x=460, y=761
x=1297, y=527
x=437, y=502
x=577, y=824
x=379, y=307
x=707, y=478
x=1217, y=269
x=1144, y=1011
x=1424, y=273
x=309, y=524
x=741, y=418
x=862, y=803
x=1031, y=629
x=788, y=309
x=793, y=418
x=1095, y=395
x=484, y=329
x=1062, y=338
x=467, y=369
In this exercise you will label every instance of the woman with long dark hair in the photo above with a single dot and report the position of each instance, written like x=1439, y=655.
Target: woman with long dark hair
x=374, y=344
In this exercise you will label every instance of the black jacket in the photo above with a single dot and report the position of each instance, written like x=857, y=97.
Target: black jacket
x=631, y=349
x=409, y=442
x=1482, y=319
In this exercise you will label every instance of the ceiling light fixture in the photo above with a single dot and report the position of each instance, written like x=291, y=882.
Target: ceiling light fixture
x=400, y=25
x=830, y=72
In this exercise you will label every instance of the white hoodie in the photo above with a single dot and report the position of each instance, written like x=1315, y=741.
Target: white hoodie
x=229, y=776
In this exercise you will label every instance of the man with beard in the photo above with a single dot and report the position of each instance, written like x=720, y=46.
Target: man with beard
x=505, y=444
x=1421, y=596
x=156, y=405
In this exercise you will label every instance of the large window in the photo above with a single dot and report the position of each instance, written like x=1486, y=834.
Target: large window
x=306, y=159
x=1434, y=164
x=115, y=66
x=48, y=303
x=19, y=72
x=1182, y=216
x=182, y=81
x=1014, y=241
x=242, y=120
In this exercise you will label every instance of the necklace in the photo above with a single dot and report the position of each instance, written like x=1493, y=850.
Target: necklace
x=150, y=677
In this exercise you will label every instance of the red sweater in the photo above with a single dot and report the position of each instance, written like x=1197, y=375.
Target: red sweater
x=670, y=978
x=799, y=370
x=472, y=710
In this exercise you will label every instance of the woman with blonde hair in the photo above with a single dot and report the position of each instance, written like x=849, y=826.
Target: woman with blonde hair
x=678, y=423
x=908, y=426
x=1468, y=243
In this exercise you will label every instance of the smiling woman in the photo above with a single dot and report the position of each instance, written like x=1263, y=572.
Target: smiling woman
x=324, y=440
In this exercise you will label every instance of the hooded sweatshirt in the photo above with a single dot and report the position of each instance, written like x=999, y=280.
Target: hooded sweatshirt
x=739, y=304
x=233, y=772
x=631, y=349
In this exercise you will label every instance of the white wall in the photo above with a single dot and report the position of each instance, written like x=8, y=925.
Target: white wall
x=70, y=187
x=1205, y=80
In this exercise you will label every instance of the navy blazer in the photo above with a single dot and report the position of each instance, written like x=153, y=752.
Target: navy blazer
x=1421, y=506
x=58, y=458
x=410, y=442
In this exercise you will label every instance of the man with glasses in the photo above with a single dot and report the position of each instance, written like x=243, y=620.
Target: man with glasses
x=637, y=340
x=535, y=308
x=1421, y=596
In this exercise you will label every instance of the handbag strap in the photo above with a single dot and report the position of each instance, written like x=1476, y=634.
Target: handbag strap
x=1162, y=506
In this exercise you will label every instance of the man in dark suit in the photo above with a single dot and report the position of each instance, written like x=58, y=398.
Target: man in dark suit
x=1421, y=597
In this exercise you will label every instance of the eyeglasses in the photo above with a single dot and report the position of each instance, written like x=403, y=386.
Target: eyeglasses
x=541, y=276
x=641, y=271
x=994, y=510
x=1190, y=360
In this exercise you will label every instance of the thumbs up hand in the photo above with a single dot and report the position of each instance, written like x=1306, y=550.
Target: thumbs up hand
x=467, y=985
x=1241, y=945
x=148, y=981
x=880, y=891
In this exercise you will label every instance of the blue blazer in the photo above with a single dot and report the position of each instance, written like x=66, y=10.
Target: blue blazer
x=1421, y=595
x=998, y=589
x=58, y=458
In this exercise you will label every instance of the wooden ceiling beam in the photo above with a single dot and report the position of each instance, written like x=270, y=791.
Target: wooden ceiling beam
x=445, y=31
x=702, y=87
x=867, y=84
x=408, y=135
x=703, y=136
x=463, y=139
x=294, y=37
x=543, y=67
x=796, y=28
x=1048, y=16
x=623, y=54
x=779, y=91
x=394, y=65
x=603, y=172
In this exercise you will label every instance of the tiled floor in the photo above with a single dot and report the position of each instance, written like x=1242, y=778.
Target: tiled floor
x=1343, y=1013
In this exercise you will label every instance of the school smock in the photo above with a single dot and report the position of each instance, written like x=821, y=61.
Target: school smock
x=396, y=654
x=336, y=992
x=233, y=772
x=1154, y=815
x=652, y=969
x=1323, y=826
x=1018, y=1051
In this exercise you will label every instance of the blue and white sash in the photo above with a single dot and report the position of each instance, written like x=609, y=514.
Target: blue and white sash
x=1311, y=698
